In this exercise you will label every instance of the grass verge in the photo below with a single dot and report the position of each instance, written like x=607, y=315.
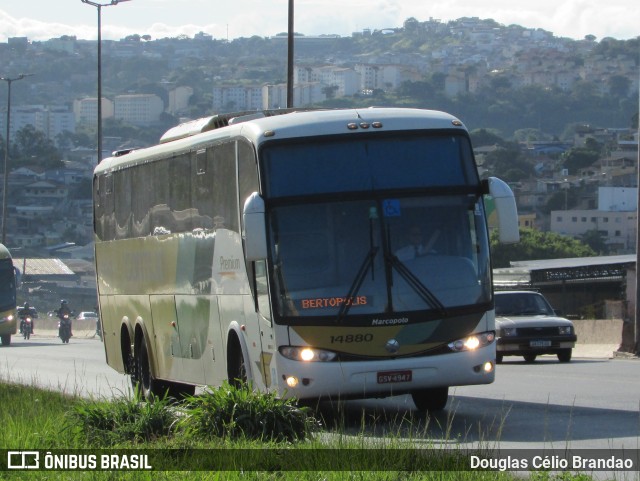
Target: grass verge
x=223, y=434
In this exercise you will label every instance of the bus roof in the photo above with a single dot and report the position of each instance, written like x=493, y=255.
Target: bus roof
x=288, y=123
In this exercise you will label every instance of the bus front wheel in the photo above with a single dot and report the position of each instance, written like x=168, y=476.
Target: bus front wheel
x=236, y=368
x=434, y=399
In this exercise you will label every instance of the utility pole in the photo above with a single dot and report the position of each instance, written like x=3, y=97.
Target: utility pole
x=6, y=152
x=636, y=337
x=99, y=7
x=290, y=58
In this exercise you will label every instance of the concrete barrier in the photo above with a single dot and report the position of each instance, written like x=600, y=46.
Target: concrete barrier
x=598, y=331
x=51, y=323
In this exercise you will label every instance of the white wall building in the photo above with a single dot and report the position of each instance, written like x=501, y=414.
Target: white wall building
x=52, y=120
x=236, y=98
x=138, y=109
x=618, y=199
x=275, y=96
x=385, y=77
x=179, y=99
x=616, y=218
x=86, y=110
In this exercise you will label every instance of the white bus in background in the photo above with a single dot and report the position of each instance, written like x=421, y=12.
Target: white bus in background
x=273, y=248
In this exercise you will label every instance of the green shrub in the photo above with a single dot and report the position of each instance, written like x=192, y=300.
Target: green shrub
x=234, y=413
x=111, y=422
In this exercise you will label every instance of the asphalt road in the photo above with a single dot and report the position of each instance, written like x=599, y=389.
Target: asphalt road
x=587, y=403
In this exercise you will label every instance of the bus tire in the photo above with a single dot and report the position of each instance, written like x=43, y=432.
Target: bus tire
x=434, y=399
x=6, y=339
x=236, y=367
x=143, y=381
x=178, y=390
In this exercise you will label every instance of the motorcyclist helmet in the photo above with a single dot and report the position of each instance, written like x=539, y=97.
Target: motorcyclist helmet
x=26, y=305
x=63, y=302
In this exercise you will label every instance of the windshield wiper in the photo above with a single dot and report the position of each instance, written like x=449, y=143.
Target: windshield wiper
x=417, y=285
x=357, y=282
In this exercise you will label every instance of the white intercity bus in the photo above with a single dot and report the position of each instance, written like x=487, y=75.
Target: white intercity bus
x=315, y=254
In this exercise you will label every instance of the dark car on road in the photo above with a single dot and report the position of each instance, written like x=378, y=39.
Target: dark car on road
x=526, y=325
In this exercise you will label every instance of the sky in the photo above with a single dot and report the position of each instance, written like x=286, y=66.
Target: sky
x=45, y=19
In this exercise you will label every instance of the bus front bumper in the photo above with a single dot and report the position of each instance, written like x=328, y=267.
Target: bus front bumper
x=381, y=378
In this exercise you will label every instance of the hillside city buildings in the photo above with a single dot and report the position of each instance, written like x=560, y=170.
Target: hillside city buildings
x=45, y=208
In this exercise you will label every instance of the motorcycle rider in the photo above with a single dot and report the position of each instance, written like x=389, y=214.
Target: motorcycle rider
x=64, y=309
x=25, y=311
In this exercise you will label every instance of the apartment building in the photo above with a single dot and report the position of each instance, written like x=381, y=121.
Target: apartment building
x=235, y=98
x=86, y=110
x=138, y=109
x=616, y=218
x=52, y=120
x=275, y=96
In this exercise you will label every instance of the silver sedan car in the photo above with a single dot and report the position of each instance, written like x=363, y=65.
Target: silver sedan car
x=527, y=326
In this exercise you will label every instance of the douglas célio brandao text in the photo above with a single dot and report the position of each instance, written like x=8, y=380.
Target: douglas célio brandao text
x=544, y=462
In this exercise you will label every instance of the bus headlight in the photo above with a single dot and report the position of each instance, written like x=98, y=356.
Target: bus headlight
x=307, y=354
x=472, y=343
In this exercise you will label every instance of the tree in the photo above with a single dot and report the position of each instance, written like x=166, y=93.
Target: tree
x=330, y=91
x=480, y=137
x=535, y=244
x=578, y=158
x=509, y=164
x=32, y=147
x=619, y=85
x=596, y=240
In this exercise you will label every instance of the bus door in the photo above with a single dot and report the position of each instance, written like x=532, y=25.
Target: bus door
x=262, y=309
x=236, y=306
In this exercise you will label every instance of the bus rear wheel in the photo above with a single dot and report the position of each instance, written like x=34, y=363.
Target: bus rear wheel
x=434, y=399
x=143, y=381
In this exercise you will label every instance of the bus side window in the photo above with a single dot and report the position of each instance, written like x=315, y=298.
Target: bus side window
x=201, y=194
x=224, y=191
x=108, y=217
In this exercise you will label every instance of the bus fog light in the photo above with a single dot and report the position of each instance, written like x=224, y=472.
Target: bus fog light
x=486, y=368
x=292, y=381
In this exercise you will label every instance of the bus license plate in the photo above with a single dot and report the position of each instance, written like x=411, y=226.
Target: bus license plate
x=540, y=343
x=385, y=377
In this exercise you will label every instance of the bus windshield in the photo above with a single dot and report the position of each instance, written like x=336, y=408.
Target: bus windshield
x=342, y=164
x=395, y=225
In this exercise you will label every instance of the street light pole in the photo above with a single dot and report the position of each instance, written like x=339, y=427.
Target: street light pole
x=99, y=7
x=290, y=56
x=6, y=153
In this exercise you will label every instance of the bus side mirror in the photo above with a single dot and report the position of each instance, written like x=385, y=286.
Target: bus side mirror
x=506, y=210
x=255, y=233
